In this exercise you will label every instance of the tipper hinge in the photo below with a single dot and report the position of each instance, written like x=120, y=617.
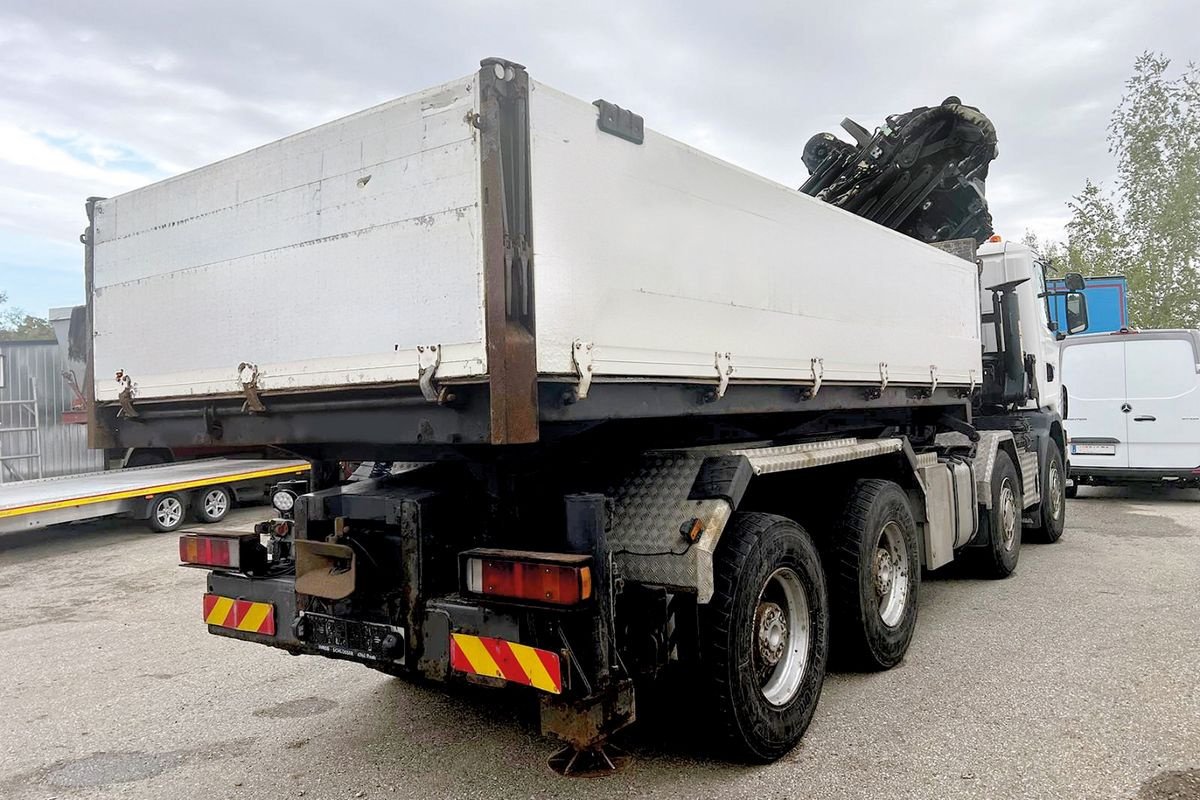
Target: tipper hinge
x=125, y=398
x=429, y=358
x=248, y=378
x=724, y=364
x=818, y=375
x=581, y=356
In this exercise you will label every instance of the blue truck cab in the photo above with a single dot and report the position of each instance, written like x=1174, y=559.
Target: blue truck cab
x=1106, y=303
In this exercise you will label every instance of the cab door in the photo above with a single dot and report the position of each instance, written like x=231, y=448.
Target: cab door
x=1093, y=375
x=1163, y=394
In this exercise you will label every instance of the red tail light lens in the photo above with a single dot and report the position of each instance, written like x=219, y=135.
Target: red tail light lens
x=559, y=579
x=233, y=551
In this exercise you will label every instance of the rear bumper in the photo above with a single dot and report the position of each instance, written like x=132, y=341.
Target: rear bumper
x=1085, y=474
x=458, y=638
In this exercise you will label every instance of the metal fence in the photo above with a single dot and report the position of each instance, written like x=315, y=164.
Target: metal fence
x=33, y=398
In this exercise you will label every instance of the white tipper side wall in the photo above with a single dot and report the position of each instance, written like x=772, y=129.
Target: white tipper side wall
x=327, y=257
x=661, y=256
x=324, y=258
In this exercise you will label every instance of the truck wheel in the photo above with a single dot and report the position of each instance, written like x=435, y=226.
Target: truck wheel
x=765, y=635
x=1001, y=524
x=1052, y=516
x=874, y=571
x=167, y=512
x=213, y=504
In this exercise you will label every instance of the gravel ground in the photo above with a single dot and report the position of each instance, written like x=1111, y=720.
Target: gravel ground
x=1074, y=679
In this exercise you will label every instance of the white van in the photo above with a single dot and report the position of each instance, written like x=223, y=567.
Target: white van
x=1132, y=407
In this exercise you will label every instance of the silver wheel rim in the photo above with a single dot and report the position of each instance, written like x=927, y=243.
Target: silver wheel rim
x=169, y=512
x=1057, y=490
x=889, y=574
x=781, y=636
x=216, y=503
x=1008, y=515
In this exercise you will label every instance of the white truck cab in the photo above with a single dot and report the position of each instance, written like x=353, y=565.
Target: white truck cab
x=1011, y=263
x=1133, y=407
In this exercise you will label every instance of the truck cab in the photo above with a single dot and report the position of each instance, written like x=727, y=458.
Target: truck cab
x=1016, y=265
x=1022, y=382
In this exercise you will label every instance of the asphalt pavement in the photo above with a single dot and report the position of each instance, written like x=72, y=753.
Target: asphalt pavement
x=1075, y=678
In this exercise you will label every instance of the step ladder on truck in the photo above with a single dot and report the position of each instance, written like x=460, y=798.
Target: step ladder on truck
x=675, y=418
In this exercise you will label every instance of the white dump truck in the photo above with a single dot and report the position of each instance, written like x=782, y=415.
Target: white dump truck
x=678, y=419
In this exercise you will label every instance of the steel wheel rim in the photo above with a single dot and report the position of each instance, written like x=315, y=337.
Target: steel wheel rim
x=1008, y=515
x=169, y=511
x=216, y=503
x=889, y=573
x=1058, y=488
x=780, y=637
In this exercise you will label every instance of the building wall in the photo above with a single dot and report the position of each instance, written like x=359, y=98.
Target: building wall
x=64, y=447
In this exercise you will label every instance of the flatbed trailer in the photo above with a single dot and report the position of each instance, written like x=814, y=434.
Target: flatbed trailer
x=162, y=495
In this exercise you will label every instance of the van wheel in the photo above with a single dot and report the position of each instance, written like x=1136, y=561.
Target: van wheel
x=167, y=512
x=1072, y=490
x=765, y=634
x=213, y=504
x=1001, y=524
x=874, y=571
x=1052, y=516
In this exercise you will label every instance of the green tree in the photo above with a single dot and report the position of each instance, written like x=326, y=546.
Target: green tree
x=1148, y=227
x=16, y=325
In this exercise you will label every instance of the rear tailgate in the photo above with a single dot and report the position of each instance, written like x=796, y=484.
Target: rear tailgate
x=325, y=259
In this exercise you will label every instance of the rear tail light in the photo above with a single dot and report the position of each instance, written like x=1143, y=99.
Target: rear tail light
x=559, y=579
x=231, y=551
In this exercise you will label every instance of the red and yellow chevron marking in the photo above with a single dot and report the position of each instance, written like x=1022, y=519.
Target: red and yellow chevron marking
x=241, y=615
x=497, y=658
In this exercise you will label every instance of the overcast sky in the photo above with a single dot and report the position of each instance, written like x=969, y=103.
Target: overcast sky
x=99, y=98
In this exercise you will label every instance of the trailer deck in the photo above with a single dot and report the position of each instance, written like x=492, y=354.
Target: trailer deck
x=51, y=501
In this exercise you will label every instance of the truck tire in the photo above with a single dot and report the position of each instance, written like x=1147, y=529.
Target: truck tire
x=1000, y=525
x=873, y=569
x=1052, y=512
x=213, y=504
x=765, y=634
x=167, y=512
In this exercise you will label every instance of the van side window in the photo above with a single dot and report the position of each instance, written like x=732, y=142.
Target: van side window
x=1159, y=368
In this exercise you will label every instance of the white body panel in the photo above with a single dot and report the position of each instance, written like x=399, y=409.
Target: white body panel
x=289, y=258
x=1009, y=261
x=325, y=259
x=1134, y=400
x=662, y=256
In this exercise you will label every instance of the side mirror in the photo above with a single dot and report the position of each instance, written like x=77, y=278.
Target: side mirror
x=1077, y=314
x=1073, y=282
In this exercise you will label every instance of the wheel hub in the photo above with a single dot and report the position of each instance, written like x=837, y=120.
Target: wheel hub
x=1057, y=488
x=772, y=633
x=1008, y=516
x=884, y=570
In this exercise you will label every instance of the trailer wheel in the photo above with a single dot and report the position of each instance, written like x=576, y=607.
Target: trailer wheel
x=167, y=512
x=1053, y=509
x=765, y=635
x=1001, y=524
x=874, y=571
x=213, y=504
